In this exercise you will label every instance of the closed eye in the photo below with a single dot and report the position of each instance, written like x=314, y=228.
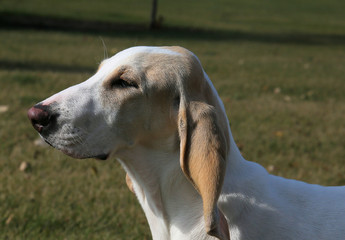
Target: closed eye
x=120, y=83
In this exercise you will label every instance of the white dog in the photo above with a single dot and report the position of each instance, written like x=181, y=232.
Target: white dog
x=157, y=112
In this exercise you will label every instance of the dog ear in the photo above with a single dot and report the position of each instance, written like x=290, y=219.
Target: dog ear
x=203, y=158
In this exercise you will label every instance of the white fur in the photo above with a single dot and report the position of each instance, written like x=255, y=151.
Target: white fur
x=256, y=204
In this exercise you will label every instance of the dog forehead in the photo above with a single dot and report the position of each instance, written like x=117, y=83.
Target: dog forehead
x=145, y=50
x=165, y=66
x=135, y=55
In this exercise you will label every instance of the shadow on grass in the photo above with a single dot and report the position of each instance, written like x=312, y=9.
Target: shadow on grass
x=14, y=20
x=39, y=66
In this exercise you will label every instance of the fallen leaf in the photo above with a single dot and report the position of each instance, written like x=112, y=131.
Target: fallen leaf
x=279, y=134
x=270, y=168
x=277, y=90
x=25, y=167
x=9, y=219
x=3, y=108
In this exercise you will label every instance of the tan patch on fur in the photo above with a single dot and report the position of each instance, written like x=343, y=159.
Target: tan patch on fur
x=178, y=49
x=100, y=65
x=129, y=183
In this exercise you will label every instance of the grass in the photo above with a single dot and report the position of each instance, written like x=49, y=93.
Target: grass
x=277, y=65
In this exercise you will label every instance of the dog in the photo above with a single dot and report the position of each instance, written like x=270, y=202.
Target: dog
x=157, y=112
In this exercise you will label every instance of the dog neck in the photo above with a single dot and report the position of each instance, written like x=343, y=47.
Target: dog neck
x=165, y=194
x=171, y=204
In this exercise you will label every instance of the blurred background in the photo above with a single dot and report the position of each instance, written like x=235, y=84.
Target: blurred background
x=279, y=67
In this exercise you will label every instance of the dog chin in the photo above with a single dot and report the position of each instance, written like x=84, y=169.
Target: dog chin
x=72, y=154
x=79, y=156
x=102, y=157
x=68, y=152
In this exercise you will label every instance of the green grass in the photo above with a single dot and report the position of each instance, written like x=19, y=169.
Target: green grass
x=249, y=49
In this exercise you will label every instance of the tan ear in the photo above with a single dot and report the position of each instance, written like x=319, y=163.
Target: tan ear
x=203, y=158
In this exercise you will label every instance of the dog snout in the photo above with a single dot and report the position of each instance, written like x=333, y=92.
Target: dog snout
x=40, y=117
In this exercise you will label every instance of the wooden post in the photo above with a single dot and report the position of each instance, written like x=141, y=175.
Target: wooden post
x=153, y=23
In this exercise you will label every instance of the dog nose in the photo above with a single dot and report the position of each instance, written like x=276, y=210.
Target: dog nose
x=39, y=117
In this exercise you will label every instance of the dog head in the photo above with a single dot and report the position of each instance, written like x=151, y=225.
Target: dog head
x=142, y=96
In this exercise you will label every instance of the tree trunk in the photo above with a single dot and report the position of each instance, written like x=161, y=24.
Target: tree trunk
x=153, y=23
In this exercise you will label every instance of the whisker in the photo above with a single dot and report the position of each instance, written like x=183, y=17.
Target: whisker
x=105, y=51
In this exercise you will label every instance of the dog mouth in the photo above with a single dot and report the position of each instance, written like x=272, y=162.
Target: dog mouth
x=72, y=154
x=101, y=157
x=47, y=142
x=68, y=152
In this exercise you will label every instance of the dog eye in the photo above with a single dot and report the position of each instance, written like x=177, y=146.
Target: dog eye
x=120, y=83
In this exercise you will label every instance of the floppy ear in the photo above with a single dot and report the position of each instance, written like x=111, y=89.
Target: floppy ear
x=203, y=158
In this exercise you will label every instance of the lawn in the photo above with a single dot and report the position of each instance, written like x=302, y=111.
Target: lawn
x=277, y=65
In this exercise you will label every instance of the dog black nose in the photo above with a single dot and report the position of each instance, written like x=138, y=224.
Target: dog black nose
x=39, y=116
